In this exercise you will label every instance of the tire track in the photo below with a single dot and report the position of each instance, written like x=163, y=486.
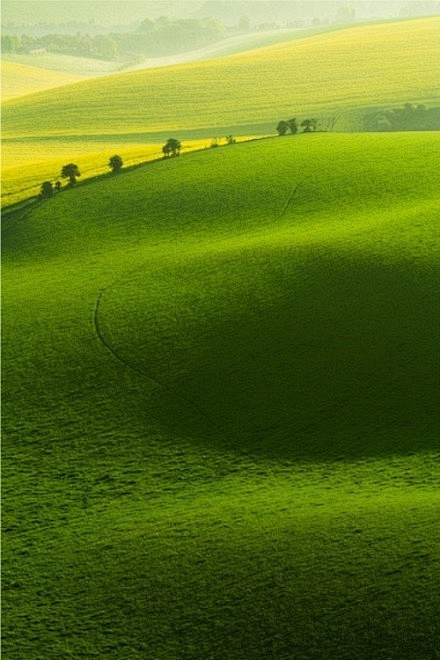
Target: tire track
x=289, y=199
x=140, y=372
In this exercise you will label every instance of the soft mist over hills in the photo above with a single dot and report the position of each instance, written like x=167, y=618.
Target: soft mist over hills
x=115, y=14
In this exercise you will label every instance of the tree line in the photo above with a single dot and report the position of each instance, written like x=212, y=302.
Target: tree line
x=409, y=117
x=70, y=171
x=308, y=126
x=171, y=149
x=164, y=36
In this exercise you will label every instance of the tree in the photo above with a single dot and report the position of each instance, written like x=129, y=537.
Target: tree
x=10, y=43
x=172, y=147
x=58, y=186
x=282, y=127
x=146, y=26
x=309, y=125
x=70, y=171
x=230, y=139
x=116, y=164
x=382, y=123
x=293, y=125
x=106, y=47
x=244, y=24
x=46, y=190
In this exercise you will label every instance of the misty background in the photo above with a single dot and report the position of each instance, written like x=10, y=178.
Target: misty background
x=129, y=30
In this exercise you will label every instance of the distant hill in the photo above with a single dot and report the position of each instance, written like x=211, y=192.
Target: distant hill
x=20, y=80
x=46, y=13
x=81, y=67
x=336, y=77
x=375, y=64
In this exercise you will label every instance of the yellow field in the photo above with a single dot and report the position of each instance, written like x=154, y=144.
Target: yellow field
x=19, y=79
x=381, y=63
x=247, y=93
x=45, y=160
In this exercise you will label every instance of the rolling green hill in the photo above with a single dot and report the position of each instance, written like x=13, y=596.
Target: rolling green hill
x=220, y=407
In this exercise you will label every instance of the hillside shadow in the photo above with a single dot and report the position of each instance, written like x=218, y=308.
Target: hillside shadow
x=342, y=364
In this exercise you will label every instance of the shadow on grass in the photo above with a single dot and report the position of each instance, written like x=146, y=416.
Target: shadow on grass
x=341, y=363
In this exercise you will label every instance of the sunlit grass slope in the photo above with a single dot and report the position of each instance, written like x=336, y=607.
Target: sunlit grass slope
x=19, y=80
x=389, y=63
x=43, y=159
x=221, y=411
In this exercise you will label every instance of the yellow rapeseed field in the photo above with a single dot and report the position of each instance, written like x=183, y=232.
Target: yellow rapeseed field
x=43, y=161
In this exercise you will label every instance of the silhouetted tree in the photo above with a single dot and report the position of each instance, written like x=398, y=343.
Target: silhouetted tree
x=244, y=24
x=409, y=118
x=70, y=171
x=293, y=125
x=382, y=123
x=46, y=190
x=116, y=163
x=106, y=46
x=309, y=125
x=214, y=143
x=230, y=139
x=282, y=127
x=172, y=147
x=58, y=186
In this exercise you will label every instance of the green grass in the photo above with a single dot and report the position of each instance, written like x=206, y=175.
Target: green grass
x=44, y=158
x=220, y=407
x=330, y=75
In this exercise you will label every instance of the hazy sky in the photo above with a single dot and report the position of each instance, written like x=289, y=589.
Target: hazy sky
x=125, y=12
x=103, y=11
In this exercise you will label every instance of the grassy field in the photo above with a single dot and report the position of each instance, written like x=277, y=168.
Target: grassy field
x=220, y=408
x=24, y=178
x=389, y=63
x=129, y=111
x=19, y=80
x=325, y=75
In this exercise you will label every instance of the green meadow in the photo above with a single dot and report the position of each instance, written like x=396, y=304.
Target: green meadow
x=43, y=159
x=220, y=406
x=333, y=76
